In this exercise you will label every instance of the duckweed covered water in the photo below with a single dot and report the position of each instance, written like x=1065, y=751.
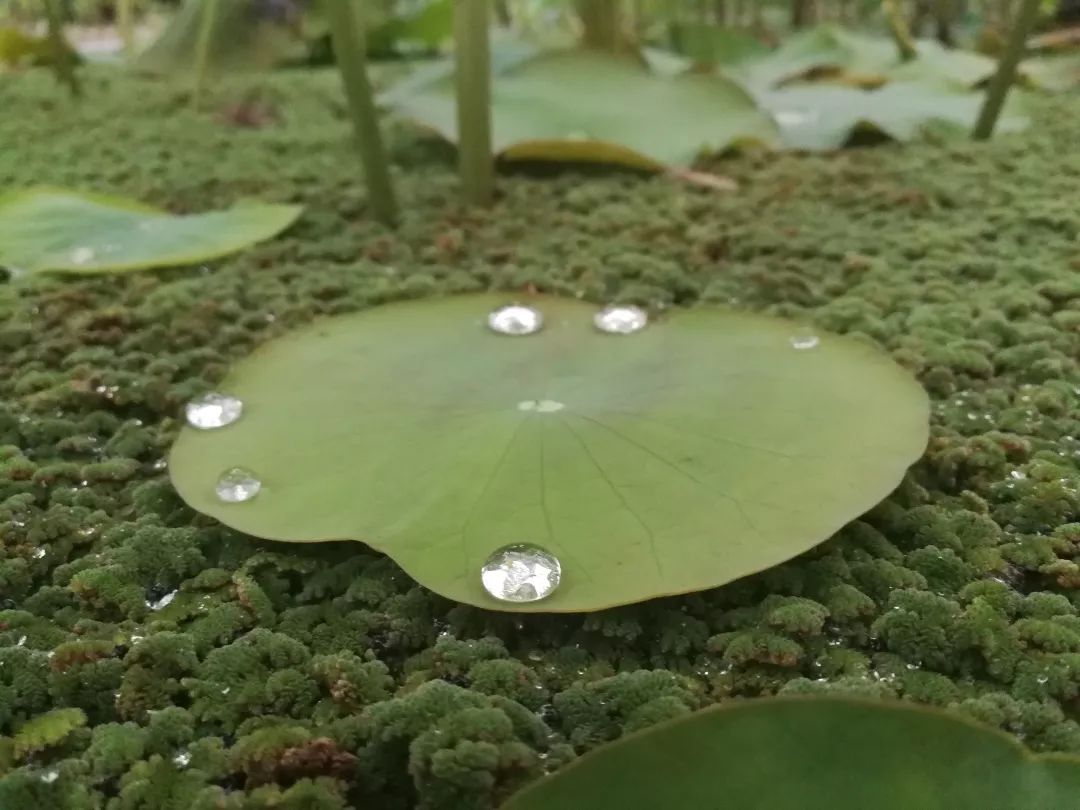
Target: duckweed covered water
x=217, y=671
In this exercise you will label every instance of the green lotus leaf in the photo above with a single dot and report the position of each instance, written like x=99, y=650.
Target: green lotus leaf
x=834, y=55
x=822, y=117
x=590, y=106
x=700, y=449
x=713, y=44
x=811, y=753
x=57, y=229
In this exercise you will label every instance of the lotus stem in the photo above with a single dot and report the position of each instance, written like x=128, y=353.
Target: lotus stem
x=203, y=45
x=898, y=27
x=1006, y=70
x=63, y=58
x=602, y=24
x=472, y=56
x=351, y=59
x=125, y=25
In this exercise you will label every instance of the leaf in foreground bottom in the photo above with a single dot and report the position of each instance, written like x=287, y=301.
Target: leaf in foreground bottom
x=811, y=753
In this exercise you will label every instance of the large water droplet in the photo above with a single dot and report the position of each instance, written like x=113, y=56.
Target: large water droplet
x=238, y=485
x=521, y=573
x=213, y=410
x=515, y=319
x=620, y=320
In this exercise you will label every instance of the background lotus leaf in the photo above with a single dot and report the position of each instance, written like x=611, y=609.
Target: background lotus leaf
x=592, y=106
x=57, y=229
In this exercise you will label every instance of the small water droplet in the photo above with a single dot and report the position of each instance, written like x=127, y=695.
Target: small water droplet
x=521, y=573
x=515, y=319
x=237, y=485
x=540, y=405
x=795, y=118
x=213, y=411
x=804, y=340
x=82, y=255
x=164, y=601
x=621, y=320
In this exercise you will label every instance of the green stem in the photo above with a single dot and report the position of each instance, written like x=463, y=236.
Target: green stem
x=203, y=45
x=1006, y=70
x=898, y=27
x=351, y=59
x=472, y=53
x=125, y=25
x=602, y=24
x=63, y=58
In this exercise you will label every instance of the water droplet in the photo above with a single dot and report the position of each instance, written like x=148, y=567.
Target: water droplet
x=82, y=255
x=540, y=405
x=795, y=118
x=213, y=411
x=621, y=320
x=515, y=319
x=164, y=601
x=182, y=759
x=238, y=485
x=521, y=573
x=804, y=340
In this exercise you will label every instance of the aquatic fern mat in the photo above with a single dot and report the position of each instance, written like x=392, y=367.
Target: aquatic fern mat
x=153, y=657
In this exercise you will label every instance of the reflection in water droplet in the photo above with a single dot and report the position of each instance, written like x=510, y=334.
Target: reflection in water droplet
x=804, y=340
x=238, y=485
x=82, y=255
x=515, y=319
x=213, y=411
x=620, y=320
x=521, y=573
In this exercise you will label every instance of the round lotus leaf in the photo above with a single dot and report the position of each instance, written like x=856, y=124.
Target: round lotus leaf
x=704, y=447
x=811, y=753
